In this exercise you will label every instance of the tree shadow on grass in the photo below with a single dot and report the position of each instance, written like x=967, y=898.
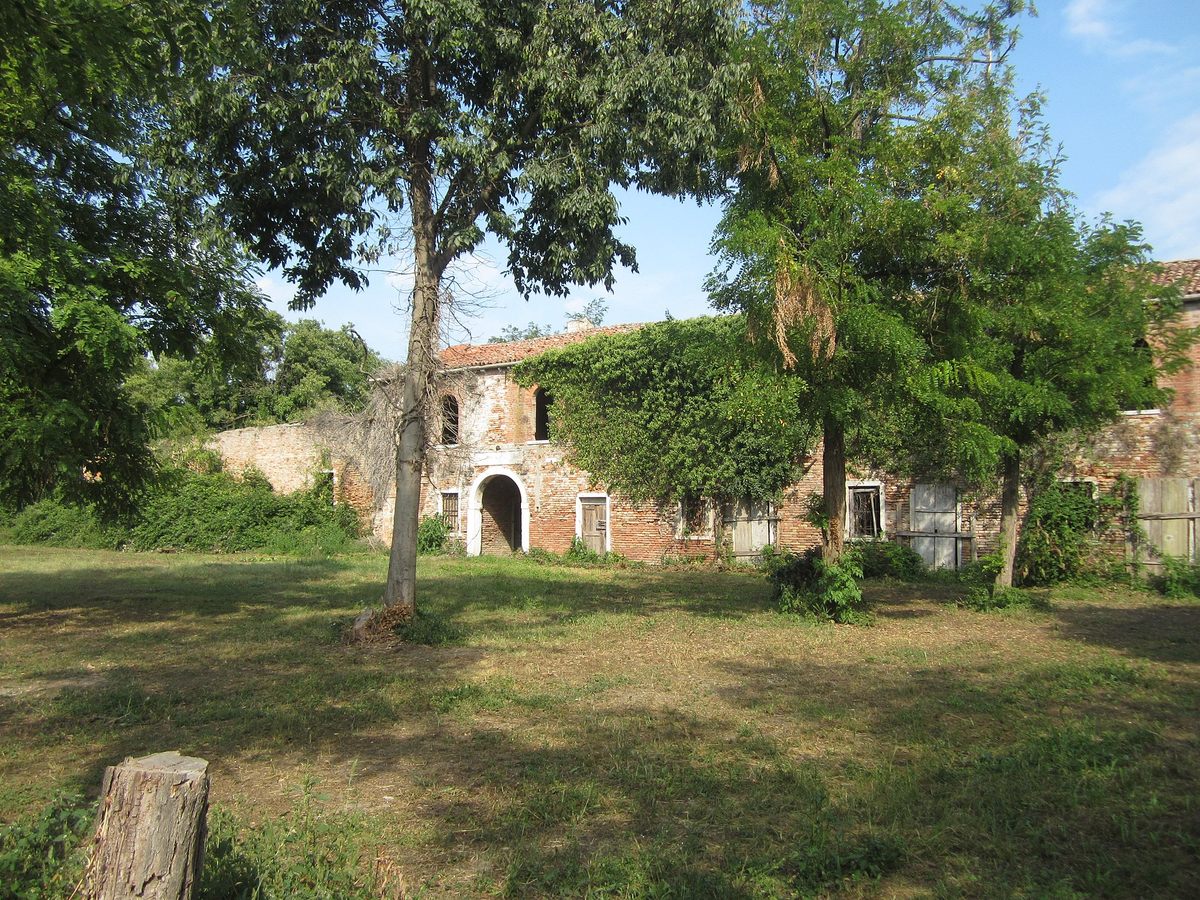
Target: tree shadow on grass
x=1162, y=632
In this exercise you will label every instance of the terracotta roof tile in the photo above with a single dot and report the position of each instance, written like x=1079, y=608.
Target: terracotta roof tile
x=1184, y=272
x=508, y=352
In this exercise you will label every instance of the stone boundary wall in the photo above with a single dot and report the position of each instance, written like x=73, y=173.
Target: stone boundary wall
x=288, y=455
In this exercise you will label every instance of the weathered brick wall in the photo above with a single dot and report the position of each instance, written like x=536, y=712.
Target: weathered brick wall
x=288, y=455
x=497, y=427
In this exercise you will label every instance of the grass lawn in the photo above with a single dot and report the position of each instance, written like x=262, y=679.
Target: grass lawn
x=612, y=732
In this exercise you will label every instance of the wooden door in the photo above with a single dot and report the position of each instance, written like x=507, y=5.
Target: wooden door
x=594, y=527
x=749, y=526
x=935, y=516
x=1166, y=536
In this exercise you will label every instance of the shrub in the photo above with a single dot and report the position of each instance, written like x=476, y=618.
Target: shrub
x=432, y=533
x=217, y=512
x=61, y=524
x=1060, y=537
x=41, y=853
x=808, y=585
x=581, y=553
x=888, y=559
x=1179, y=578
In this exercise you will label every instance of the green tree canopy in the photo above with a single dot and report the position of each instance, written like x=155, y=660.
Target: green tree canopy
x=331, y=132
x=835, y=239
x=678, y=410
x=95, y=270
x=322, y=366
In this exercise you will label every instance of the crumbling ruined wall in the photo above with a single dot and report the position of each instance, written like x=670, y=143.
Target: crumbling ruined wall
x=288, y=455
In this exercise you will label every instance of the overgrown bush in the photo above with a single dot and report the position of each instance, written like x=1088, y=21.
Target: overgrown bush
x=432, y=532
x=1061, y=537
x=60, y=524
x=40, y=853
x=888, y=559
x=217, y=512
x=808, y=585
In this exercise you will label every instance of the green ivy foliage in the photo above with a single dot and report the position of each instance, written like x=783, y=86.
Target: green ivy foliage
x=679, y=409
x=1063, y=529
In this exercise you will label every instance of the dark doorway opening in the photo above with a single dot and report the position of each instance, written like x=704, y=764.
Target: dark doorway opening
x=501, y=516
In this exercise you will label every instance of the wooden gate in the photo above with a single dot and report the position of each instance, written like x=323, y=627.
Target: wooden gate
x=594, y=524
x=1167, y=515
x=749, y=526
x=935, y=524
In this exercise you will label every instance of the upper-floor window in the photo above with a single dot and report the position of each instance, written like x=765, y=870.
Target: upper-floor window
x=449, y=419
x=542, y=402
x=1128, y=406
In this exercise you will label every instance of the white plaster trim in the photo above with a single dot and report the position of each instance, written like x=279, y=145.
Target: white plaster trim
x=579, y=498
x=475, y=509
x=883, y=529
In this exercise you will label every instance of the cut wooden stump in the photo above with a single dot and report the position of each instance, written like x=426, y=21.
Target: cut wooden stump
x=149, y=842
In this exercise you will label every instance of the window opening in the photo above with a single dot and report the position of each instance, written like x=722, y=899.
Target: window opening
x=695, y=517
x=450, y=509
x=542, y=402
x=865, y=509
x=449, y=419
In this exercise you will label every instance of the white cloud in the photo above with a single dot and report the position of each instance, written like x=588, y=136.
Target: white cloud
x=1162, y=191
x=1090, y=20
x=278, y=292
x=1096, y=23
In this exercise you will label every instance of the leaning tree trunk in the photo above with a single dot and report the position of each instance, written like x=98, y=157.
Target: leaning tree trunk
x=149, y=841
x=400, y=593
x=833, y=460
x=1010, y=498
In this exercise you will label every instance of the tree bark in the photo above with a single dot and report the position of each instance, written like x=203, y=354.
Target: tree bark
x=149, y=841
x=833, y=460
x=400, y=593
x=1010, y=498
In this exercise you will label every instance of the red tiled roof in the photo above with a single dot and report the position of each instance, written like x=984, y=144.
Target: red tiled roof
x=1184, y=272
x=508, y=352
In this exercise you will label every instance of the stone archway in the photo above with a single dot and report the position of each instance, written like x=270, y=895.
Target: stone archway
x=498, y=515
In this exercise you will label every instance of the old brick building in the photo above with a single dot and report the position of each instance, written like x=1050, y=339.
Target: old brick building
x=503, y=485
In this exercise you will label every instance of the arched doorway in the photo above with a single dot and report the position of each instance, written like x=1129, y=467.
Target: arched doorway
x=501, y=520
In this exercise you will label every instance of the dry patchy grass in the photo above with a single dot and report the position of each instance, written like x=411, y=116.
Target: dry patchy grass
x=613, y=732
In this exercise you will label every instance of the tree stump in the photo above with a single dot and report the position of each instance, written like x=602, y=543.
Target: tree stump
x=149, y=840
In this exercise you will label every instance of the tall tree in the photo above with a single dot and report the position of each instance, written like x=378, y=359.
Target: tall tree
x=94, y=271
x=1068, y=326
x=319, y=122
x=830, y=241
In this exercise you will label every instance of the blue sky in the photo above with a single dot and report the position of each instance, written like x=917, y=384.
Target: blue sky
x=1122, y=79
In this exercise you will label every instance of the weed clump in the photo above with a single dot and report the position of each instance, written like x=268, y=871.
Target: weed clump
x=41, y=854
x=809, y=585
x=432, y=535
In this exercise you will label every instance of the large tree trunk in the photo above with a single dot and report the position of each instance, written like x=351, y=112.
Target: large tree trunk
x=400, y=594
x=149, y=841
x=834, y=487
x=1010, y=498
